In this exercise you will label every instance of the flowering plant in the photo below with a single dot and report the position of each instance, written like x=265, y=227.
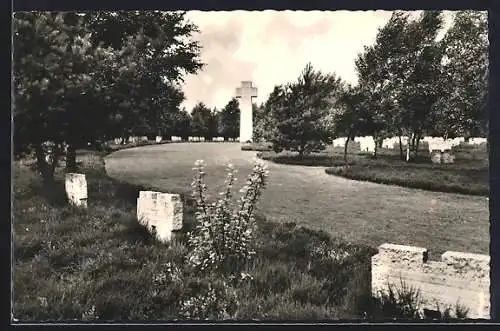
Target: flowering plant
x=223, y=239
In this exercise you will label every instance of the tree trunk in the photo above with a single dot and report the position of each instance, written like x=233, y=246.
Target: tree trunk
x=400, y=147
x=376, y=147
x=417, y=144
x=345, y=150
x=408, y=151
x=301, y=152
x=46, y=170
x=71, y=158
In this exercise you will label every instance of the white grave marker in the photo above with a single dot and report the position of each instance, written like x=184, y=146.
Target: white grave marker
x=76, y=189
x=160, y=212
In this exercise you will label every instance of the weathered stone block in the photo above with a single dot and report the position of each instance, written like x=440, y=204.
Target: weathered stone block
x=447, y=157
x=436, y=157
x=76, y=189
x=158, y=139
x=461, y=278
x=160, y=212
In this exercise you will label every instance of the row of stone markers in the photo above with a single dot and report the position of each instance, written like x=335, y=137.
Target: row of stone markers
x=159, y=139
x=161, y=213
x=367, y=143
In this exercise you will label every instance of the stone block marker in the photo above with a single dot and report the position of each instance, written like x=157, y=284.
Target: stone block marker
x=436, y=157
x=160, y=212
x=459, y=278
x=76, y=189
x=159, y=139
x=245, y=93
x=447, y=157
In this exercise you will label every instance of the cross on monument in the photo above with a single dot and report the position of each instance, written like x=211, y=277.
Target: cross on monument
x=245, y=93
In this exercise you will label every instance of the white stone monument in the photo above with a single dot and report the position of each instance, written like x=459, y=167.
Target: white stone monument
x=160, y=212
x=158, y=139
x=76, y=189
x=245, y=93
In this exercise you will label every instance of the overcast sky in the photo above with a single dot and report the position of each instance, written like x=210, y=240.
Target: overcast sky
x=271, y=47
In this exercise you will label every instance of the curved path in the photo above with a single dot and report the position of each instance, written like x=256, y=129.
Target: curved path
x=358, y=211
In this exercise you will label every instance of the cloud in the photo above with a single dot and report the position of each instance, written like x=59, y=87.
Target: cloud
x=271, y=48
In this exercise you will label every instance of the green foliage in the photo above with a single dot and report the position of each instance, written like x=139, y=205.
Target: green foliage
x=93, y=76
x=415, y=85
x=260, y=147
x=462, y=109
x=224, y=239
x=230, y=119
x=405, y=302
x=201, y=120
x=261, y=122
x=398, y=302
x=299, y=110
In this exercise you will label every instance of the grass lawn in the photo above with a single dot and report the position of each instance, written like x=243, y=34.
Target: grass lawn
x=469, y=175
x=100, y=264
x=360, y=212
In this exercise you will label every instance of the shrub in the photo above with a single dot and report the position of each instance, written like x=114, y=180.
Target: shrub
x=209, y=300
x=260, y=147
x=405, y=302
x=398, y=302
x=223, y=239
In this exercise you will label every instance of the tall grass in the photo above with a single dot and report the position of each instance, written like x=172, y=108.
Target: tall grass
x=100, y=264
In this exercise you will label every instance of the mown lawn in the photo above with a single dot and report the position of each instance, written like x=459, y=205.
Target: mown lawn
x=469, y=175
x=360, y=212
x=101, y=265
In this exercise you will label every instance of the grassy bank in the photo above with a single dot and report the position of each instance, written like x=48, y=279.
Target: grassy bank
x=469, y=175
x=100, y=264
x=257, y=146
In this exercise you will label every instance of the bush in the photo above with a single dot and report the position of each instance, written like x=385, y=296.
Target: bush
x=223, y=239
x=405, y=302
x=313, y=159
x=260, y=147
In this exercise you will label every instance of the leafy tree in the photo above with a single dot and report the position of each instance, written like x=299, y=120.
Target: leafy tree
x=182, y=124
x=462, y=106
x=261, y=118
x=421, y=88
x=299, y=111
x=55, y=85
x=230, y=119
x=156, y=50
x=70, y=86
x=400, y=75
x=214, y=126
x=201, y=117
x=351, y=117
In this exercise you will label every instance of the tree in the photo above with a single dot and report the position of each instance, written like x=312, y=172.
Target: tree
x=230, y=119
x=300, y=109
x=201, y=116
x=400, y=75
x=157, y=51
x=351, y=117
x=72, y=85
x=55, y=85
x=421, y=88
x=260, y=121
x=214, y=125
x=182, y=124
x=462, y=106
